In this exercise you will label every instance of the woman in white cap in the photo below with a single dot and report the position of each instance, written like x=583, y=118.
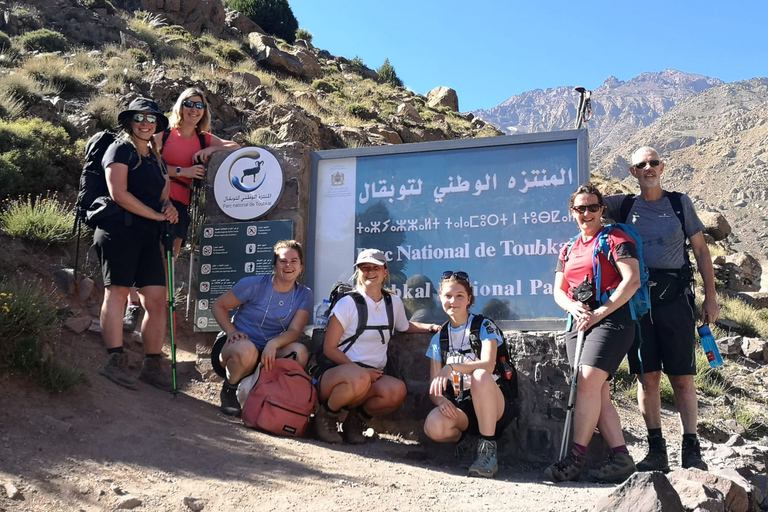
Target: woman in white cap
x=128, y=242
x=352, y=375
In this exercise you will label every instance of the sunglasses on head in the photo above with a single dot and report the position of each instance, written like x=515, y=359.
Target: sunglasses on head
x=652, y=163
x=463, y=276
x=196, y=104
x=594, y=208
x=139, y=117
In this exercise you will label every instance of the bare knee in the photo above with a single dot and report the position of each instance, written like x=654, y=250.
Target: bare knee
x=482, y=380
x=681, y=383
x=438, y=429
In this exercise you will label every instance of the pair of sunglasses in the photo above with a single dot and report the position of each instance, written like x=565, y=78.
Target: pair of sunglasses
x=461, y=275
x=652, y=163
x=594, y=208
x=139, y=117
x=199, y=105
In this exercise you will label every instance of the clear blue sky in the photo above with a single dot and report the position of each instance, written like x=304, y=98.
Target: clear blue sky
x=489, y=50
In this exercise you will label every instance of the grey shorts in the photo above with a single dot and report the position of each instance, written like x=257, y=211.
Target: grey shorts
x=606, y=343
x=668, y=339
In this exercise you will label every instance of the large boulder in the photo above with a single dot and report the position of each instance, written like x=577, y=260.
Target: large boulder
x=646, y=492
x=700, y=490
x=301, y=64
x=715, y=225
x=443, y=97
x=242, y=23
x=196, y=16
x=744, y=272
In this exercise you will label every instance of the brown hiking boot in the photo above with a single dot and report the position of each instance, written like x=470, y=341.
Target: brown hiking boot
x=116, y=370
x=567, y=469
x=152, y=372
x=691, y=456
x=616, y=469
x=326, y=426
x=657, y=459
x=353, y=427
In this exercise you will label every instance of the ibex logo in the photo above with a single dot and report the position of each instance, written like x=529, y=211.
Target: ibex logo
x=248, y=183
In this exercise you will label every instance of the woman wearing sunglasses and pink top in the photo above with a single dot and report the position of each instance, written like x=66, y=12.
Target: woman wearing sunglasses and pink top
x=608, y=333
x=180, y=146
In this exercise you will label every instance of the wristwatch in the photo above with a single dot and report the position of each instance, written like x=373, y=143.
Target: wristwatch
x=178, y=171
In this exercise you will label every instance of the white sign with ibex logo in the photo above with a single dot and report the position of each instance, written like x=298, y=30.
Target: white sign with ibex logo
x=248, y=183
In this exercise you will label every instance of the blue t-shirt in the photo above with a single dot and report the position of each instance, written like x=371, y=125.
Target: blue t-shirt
x=266, y=313
x=458, y=339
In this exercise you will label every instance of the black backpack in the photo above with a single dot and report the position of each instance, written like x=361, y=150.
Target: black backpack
x=504, y=369
x=94, y=203
x=342, y=290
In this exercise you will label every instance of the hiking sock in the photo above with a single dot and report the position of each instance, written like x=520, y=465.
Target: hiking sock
x=620, y=449
x=363, y=413
x=325, y=406
x=690, y=438
x=487, y=438
x=116, y=350
x=153, y=356
x=579, y=449
x=133, y=303
x=228, y=385
x=655, y=432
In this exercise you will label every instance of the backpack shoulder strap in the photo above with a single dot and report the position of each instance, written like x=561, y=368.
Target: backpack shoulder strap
x=677, y=205
x=390, y=312
x=474, y=334
x=166, y=134
x=570, y=245
x=626, y=206
x=201, y=138
x=444, y=341
x=362, y=319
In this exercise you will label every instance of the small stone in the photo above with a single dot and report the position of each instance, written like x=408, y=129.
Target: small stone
x=85, y=289
x=115, y=488
x=13, y=492
x=128, y=503
x=79, y=324
x=62, y=427
x=735, y=440
x=95, y=326
x=194, y=504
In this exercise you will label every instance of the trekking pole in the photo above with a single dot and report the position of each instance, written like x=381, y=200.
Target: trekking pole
x=168, y=244
x=572, y=396
x=584, y=113
x=196, y=205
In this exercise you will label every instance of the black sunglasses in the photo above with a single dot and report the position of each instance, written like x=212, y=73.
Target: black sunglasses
x=594, y=208
x=652, y=163
x=139, y=117
x=197, y=104
x=461, y=275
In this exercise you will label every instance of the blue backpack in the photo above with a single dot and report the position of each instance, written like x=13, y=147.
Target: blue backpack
x=640, y=303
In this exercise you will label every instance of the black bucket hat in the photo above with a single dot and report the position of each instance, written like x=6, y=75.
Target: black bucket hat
x=144, y=105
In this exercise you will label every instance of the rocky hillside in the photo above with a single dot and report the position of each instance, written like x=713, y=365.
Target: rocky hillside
x=619, y=108
x=714, y=144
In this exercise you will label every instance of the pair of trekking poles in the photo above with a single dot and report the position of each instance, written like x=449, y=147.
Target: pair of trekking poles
x=197, y=214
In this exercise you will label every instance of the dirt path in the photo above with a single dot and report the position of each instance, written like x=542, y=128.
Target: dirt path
x=64, y=452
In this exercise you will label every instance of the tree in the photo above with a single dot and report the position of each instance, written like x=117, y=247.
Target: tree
x=387, y=75
x=274, y=16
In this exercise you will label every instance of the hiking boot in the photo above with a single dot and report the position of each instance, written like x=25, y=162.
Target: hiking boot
x=567, y=469
x=131, y=318
x=353, y=427
x=116, y=370
x=326, y=427
x=691, y=456
x=616, y=469
x=152, y=372
x=657, y=459
x=486, y=465
x=229, y=403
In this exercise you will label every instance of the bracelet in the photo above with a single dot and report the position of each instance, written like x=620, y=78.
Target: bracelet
x=178, y=171
x=449, y=364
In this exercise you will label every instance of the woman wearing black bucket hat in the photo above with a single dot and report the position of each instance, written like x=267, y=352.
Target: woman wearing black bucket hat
x=128, y=244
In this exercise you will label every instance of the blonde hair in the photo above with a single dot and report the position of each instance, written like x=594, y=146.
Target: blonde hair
x=204, y=125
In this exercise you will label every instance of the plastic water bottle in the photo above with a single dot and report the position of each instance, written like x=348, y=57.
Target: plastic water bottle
x=710, y=347
x=456, y=376
x=506, y=369
x=321, y=314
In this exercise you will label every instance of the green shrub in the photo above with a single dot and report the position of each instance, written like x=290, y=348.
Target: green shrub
x=21, y=86
x=44, y=220
x=274, y=16
x=361, y=111
x=105, y=110
x=11, y=107
x=306, y=35
x=55, y=73
x=263, y=137
x=357, y=63
x=29, y=321
x=387, y=75
x=229, y=52
x=5, y=41
x=35, y=156
x=137, y=56
x=44, y=40
x=323, y=85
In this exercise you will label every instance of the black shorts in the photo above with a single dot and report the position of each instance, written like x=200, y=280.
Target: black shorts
x=668, y=339
x=181, y=228
x=129, y=256
x=474, y=428
x=606, y=343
